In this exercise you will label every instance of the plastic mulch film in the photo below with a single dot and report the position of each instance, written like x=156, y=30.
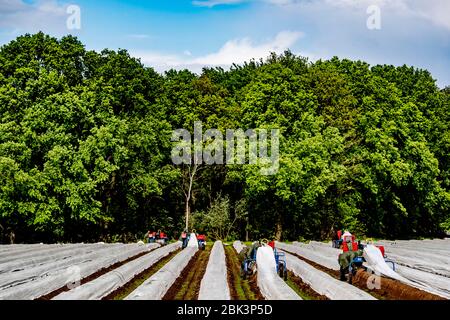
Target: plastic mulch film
x=39, y=259
x=272, y=287
x=214, y=285
x=238, y=246
x=193, y=243
x=113, y=280
x=39, y=281
x=327, y=260
x=323, y=283
x=155, y=287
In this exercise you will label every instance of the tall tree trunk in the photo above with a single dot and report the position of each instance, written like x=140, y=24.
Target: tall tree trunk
x=247, y=227
x=12, y=237
x=188, y=194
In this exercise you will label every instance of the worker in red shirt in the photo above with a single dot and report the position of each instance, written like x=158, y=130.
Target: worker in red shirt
x=151, y=236
x=184, y=238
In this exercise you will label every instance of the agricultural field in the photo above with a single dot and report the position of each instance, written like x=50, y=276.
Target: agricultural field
x=153, y=272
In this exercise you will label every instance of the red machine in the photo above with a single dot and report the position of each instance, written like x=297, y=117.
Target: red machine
x=201, y=240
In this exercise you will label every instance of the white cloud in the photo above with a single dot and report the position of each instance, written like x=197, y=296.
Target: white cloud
x=240, y=50
x=213, y=3
x=436, y=11
x=233, y=51
x=42, y=15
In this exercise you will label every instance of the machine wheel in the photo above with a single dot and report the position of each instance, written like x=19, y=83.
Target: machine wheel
x=251, y=267
x=280, y=270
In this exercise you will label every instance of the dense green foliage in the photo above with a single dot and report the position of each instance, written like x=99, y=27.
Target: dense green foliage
x=85, y=145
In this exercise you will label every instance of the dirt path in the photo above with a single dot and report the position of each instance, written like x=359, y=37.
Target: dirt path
x=389, y=289
x=240, y=289
x=125, y=290
x=187, y=286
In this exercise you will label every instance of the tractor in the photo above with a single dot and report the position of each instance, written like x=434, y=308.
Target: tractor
x=161, y=238
x=351, y=259
x=201, y=240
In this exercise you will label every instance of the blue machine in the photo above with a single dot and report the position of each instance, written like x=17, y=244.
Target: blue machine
x=280, y=260
x=357, y=263
x=249, y=264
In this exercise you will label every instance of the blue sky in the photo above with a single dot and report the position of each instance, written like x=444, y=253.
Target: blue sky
x=190, y=34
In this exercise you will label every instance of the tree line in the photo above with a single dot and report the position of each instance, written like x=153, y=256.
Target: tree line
x=85, y=147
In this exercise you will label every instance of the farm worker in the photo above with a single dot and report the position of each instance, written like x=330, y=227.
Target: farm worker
x=184, y=238
x=164, y=237
x=150, y=236
x=348, y=242
x=345, y=258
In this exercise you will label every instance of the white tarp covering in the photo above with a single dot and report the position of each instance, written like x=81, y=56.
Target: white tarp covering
x=34, y=283
x=436, y=244
x=155, y=287
x=429, y=256
x=48, y=257
x=15, y=248
x=10, y=278
x=327, y=260
x=111, y=281
x=419, y=279
x=214, y=285
x=376, y=262
x=431, y=283
x=31, y=252
x=272, y=287
x=323, y=283
x=193, y=243
x=238, y=246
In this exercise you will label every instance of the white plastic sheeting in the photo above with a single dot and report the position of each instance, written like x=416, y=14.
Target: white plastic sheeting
x=31, y=252
x=323, y=283
x=419, y=279
x=48, y=257
x=36, y=282
x=155, y=287
x=238, y=246
x=111, y=281
x=437, y=244
x=376, y=262
x=11, y=278
x=272, y=287
x=327, y=260
x=13, y=248
x=214, y=285
x=431, y=283
x=193, y=243
x=432, y=263
x=429, y=256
